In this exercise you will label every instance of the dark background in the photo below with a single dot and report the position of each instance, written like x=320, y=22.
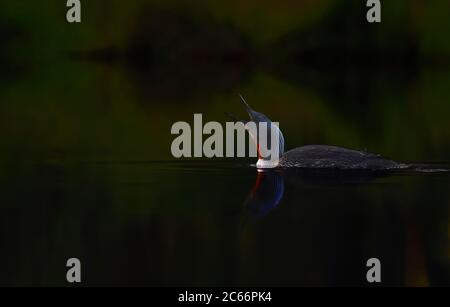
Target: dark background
x=85, y=117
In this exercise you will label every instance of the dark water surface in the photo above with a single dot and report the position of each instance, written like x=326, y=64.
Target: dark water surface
x=216, y=223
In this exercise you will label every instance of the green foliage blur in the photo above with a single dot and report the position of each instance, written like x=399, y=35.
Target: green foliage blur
x=108, y=105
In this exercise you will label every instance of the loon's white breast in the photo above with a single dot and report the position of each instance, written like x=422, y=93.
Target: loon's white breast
x=267, y=163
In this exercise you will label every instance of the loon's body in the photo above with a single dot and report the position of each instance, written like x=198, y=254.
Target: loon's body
x=333, y=157
x=317, y=156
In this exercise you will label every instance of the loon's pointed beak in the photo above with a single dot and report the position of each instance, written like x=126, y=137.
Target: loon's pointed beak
x=247, y=107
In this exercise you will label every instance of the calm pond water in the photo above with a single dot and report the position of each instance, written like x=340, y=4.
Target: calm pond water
x=197, y=223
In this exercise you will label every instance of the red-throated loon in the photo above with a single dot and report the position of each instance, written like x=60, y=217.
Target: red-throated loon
x=319, y=156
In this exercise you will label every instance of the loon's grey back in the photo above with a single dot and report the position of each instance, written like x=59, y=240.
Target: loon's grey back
x=324, y=156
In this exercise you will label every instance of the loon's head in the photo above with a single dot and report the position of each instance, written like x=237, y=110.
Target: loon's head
x=257, y=118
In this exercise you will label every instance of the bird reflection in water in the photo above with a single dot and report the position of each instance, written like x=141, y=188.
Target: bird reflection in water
x=266, y=193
